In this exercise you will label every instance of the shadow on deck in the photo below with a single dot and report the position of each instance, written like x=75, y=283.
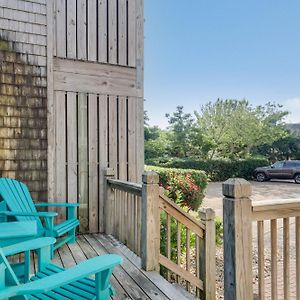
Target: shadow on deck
x=129, y=280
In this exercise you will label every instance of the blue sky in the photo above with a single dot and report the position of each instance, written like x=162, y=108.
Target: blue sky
x=200, y=50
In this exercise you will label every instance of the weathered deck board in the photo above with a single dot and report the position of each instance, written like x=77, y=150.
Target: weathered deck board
x=129, y=281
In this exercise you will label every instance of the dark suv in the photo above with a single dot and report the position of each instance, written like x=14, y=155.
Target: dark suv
x=289, y=169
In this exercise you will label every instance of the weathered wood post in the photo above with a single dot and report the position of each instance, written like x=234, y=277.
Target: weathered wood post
x=208, y=254
x=109, y=198
x=237, y=210
x=150, y=241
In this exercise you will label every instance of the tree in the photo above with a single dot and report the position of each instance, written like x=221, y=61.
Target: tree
x=180, y=125
x=156, y=142
x=232, y=128
x=282, y=149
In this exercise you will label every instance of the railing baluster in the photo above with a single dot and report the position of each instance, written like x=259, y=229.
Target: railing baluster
x=178, y=247
x=168, y=242
x=135, y=224
x=297, y=257
x=261, y=259
x=274, y=259
x=139, y=224
x=197, y=253
x=286, y=257
x=188, y=255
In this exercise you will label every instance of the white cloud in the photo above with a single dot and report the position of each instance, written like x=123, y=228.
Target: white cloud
x=293, y=106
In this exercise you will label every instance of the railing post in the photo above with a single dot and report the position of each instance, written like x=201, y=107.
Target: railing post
x=150, y=241
x=237, y=218
x=208, y=255
x=109, y=198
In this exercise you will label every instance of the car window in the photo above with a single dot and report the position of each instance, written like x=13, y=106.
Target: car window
x=278, y=165
x=292, y=164
x=289, y=164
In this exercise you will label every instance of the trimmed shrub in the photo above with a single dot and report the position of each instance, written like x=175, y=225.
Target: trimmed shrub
x=217, y=170
x=185, y=187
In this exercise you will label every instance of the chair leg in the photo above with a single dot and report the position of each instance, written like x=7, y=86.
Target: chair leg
x=52, y=252
x=72, y=235
x=103, y=291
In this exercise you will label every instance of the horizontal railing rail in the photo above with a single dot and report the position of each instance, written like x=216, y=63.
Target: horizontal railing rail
x=125, y=186
x=275, y=209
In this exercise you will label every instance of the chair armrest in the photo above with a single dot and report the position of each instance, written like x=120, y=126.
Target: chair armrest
x=28, y=214
x=84, y=269
x=28, y=246
x=45, y=204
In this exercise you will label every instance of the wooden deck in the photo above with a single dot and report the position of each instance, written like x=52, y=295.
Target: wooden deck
x=129, y=281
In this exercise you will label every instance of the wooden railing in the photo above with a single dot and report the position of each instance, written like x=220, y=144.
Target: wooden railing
x=239, y=214
x=190, y=251
x=122, y=211
x=185, y=253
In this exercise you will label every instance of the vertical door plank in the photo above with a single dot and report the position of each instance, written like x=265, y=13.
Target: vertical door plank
x=103, y=154
x=122, y=23
x=122, y=162
x=93, y=164
x=92, y=30
x=81, y=30
x=102, y=31
x=83, y=162
x=61, y=28
x=72, y=146
x=140, y=85
x=131, y=168
x=53, y=26
x=140, y=43
x=139, y=139
x=112, y=31
x=113, y=135
x=132, y=33
x=71, y=29
x=60, y=150
x=113, y=147
x=132, y=106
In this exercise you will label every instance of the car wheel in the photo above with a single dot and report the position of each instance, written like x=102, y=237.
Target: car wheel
x=297, y=178
x=260, y=177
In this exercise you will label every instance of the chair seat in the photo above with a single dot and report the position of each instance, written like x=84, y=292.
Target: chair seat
x=81, y=289
x=64, y=227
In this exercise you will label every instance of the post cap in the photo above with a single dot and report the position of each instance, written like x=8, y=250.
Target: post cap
x=237, y=188
x=207, y=214
x=150, y=178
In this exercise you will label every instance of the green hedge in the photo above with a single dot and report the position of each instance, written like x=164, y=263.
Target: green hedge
x=185, y=187
x=217, y=170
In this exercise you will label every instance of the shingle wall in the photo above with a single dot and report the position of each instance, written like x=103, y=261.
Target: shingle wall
x=23, y=91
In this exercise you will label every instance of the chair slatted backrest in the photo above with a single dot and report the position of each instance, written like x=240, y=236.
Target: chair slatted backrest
x=17, y=198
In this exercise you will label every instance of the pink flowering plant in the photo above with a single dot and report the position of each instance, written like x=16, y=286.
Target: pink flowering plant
x=184, y=187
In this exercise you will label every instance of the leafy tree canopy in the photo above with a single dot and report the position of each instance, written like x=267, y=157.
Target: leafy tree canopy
x=222, y=129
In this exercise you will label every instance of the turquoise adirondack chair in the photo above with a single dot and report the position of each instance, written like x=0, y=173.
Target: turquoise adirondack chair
x=52, y=281
x=18, y=204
